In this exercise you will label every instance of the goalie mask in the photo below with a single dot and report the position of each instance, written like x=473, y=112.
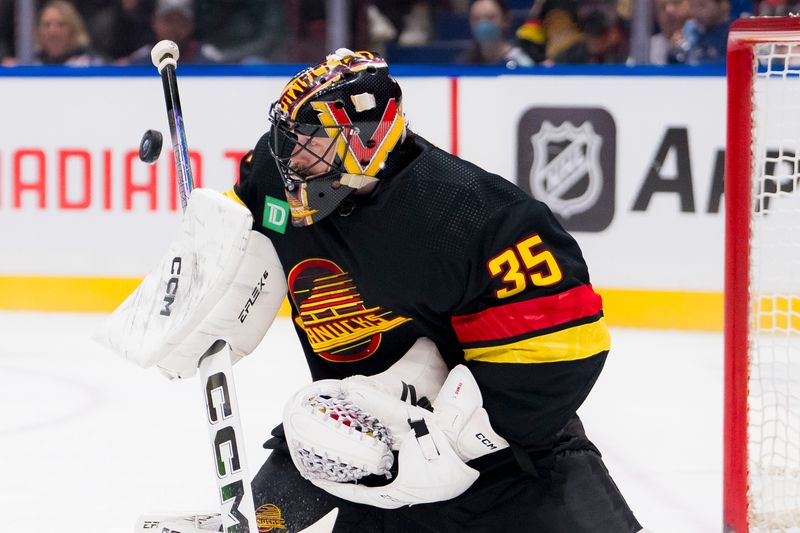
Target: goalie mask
x=333, y=129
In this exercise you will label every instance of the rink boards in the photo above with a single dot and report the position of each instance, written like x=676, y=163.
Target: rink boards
x=630, y=159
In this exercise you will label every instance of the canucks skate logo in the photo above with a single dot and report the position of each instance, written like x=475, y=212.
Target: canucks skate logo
x=268, y=517
x=566, y=172
x=338, y=324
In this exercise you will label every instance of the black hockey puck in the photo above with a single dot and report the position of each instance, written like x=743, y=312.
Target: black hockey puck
x=150, y=146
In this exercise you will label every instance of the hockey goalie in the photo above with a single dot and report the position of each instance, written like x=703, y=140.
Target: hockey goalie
x=447, y=319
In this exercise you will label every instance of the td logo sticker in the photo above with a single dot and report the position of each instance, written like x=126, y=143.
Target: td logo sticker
x=276, y=214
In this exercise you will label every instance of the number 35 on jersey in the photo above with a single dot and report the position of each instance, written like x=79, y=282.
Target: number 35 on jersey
x=526, y=264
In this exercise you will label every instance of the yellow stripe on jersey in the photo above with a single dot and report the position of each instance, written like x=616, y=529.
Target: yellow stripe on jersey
x=230, y=193
x=579, y=342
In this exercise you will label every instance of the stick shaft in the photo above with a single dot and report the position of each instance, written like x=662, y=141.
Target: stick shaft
x=225, y=433
x=180, y=149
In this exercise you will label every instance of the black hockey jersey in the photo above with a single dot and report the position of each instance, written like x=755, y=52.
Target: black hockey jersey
x=446, y=250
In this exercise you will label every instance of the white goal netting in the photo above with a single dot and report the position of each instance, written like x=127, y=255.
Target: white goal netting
x=774, y=340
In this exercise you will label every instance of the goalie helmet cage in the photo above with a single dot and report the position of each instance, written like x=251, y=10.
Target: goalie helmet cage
x=761, y=470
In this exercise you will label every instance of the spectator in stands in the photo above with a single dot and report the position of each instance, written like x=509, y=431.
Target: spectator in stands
x=670, y=15
x=410, y=21
x=244, y=31
x=705, y=34
x=551, y=28
x=531, y=35
x=591, y=32
x=306, y=29
x=777, y=8
x=62, y=38
x=122, y=27
x=605, y=36
x=174, y=20
x=746, y=8
x=6, y=30
x=380, y=28
x=88, y=8
x=773, y=8
x=490, y=21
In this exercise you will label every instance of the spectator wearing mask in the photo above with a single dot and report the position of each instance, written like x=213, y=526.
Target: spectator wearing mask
x=174, y=20
x=705, y=34
x=670, y=15
x=62, y=38
x=490, y=22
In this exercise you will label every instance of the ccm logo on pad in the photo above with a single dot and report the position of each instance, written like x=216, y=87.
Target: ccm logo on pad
x=172, y=286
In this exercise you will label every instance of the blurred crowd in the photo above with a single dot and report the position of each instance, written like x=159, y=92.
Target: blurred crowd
x=513, y=33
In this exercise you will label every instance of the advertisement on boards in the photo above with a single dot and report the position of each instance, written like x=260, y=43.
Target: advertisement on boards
x=629, y=164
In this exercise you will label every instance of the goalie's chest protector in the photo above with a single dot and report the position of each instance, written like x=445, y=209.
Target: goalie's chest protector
x=367, y=281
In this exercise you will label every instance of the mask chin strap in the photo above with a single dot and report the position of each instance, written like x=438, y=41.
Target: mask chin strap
x=357, y=181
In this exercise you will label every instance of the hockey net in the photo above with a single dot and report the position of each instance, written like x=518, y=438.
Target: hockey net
x=762, y=278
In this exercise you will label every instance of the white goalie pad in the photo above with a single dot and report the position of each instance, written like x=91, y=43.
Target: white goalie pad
x=218, y=280
x=186, y=523
x=203, y=523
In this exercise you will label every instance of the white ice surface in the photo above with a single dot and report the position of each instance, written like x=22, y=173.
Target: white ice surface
x=88, y=442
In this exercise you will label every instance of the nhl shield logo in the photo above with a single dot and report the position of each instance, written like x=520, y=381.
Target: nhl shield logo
x=566, y=158
x=566, y=172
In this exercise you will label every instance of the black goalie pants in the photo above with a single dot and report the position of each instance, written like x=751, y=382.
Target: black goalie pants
x=566, y=489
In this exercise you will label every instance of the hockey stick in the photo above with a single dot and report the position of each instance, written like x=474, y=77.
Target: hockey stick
x=165, y=58
x=215, y=369
x=216, y=375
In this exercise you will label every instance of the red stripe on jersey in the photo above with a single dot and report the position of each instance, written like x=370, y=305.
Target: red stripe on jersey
x=529, y=316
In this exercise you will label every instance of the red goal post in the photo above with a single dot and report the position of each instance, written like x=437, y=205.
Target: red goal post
x=761, y=458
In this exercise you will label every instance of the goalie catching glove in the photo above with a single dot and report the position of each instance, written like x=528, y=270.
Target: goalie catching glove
x=339, y=431
x=218, y=280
